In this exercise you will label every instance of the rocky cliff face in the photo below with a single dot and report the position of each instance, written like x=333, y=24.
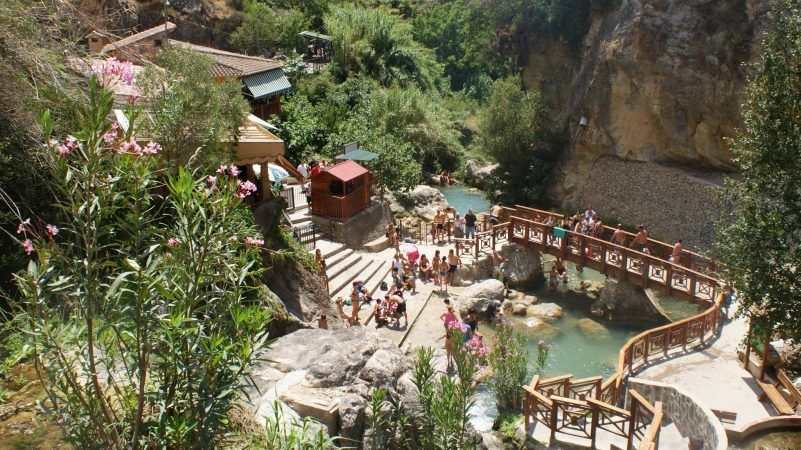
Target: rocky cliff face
x=204, y=22
x=657, y=80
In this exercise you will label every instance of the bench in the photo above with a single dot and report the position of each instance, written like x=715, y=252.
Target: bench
x=777, y=398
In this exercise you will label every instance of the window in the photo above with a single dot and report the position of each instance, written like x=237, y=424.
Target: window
x=335, y=188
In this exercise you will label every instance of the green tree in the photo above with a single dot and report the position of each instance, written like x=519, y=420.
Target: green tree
x=267, y=30
x=758, y=240
x=516, y=132
x=378, y=44
x=190, y=114
x=140, y=305
x=508, y=362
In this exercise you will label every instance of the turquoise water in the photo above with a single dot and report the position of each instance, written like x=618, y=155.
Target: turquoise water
x=770, y=440
x=573, y=351
x=462, y=198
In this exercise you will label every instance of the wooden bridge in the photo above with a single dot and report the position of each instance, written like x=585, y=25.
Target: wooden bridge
x=692, y=277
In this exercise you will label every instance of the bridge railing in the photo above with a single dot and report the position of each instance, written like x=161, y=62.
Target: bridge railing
x=624, y=263
x=657, y=248
x=576, y=414
x=484, y=241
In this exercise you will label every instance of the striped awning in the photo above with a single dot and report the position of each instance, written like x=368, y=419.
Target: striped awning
x=266, y=84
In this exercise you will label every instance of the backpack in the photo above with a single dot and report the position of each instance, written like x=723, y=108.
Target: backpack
x=384, y=286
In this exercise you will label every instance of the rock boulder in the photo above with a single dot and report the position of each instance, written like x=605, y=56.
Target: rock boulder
x=423, y=200
x=625, y=301
x=592, y=329
x=478, y=295
x=548, y=312
x=476, y=173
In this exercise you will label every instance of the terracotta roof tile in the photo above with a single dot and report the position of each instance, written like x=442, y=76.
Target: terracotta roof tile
x=232, y=64
x=347, y=170
x=150, y=32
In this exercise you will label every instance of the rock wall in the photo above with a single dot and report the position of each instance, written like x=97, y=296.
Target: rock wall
x=525, y=267
x=692, y=419
x=671, y=202
x=626, y=301
x=366, y=226
x=657, y=81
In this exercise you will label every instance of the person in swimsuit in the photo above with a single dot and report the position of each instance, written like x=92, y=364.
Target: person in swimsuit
x=435, y=266
x=553, y=278
x=619, y=236
x=495, y=214
x=641, y=239
x=424, y=268
x=440, y=219
x=400, y=309
x=453, y=263
x=443, y=274
x=675, y=257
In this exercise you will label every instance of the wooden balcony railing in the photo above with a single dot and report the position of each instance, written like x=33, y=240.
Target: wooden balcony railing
x=569, y=407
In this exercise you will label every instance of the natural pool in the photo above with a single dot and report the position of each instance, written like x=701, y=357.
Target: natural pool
x=463, y=198
x=770, y=440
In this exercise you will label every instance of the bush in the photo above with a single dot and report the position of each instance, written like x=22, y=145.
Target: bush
x=508, y=361
x=140, y=306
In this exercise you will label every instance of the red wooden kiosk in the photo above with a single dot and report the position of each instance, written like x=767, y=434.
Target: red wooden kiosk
x=341, y=191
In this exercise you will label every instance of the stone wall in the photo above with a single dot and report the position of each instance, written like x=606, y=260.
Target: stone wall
x=691, y=418
x=356, y=231
x=672, y=203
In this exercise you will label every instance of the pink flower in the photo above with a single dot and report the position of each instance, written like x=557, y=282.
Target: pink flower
x=168, y=256
x=130, y=147
x=233, y=239
x=254, y=241
x=172, y=242
x=212, y=180
x=27, y=245
x=112, y=70
x=540, y=342
x=52, y=143
x=151, y=148
x=221, y=170
x=110, y=135
x=244, y=189
x=23, y=226
x=133, y=96
x=234, y=170
x=231, y=171
x=63, y=150
x=52, y=230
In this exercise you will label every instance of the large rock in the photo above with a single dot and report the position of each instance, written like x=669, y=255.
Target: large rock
x=534, y=327
x=476, y=173
x=592, y=329
x=423, y=200
x=525, y=267
x=548, y=312
x=657, y=81
x=478, y=295
x=385, y=367
x=329, y=375
x=519, y=309
x=625, y=301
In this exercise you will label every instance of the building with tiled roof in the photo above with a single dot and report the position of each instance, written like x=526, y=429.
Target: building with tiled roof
x=263, y=79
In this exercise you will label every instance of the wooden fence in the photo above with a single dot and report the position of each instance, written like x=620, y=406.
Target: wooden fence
x=572, y=407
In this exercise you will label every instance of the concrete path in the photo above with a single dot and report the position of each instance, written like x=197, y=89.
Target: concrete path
x=715, y=376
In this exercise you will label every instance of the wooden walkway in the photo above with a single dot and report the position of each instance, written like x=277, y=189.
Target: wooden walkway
x=692, y=279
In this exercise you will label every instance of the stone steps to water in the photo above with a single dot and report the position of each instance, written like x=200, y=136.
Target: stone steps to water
x=337, y=258
x=333, y=271
x=366, y=276
x=328, y=248
x=300, y=216
x=344, y=279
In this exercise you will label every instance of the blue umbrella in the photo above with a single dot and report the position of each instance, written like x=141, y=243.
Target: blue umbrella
x=277, y=173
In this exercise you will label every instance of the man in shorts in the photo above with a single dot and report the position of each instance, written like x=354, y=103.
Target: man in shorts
x=453, y=263
x=641, y=239
x=440, y=220
x=495, y=215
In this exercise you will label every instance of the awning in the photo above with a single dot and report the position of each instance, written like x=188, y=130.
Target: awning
x=257, y=145
x=358, y=155
x=266, y=84
x=312, y=34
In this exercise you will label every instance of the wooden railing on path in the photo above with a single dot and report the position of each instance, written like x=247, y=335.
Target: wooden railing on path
x=567, y=406
x=590, y=397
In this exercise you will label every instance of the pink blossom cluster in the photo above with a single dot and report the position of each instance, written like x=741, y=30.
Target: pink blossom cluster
x=244, y=189
x=256, y=242
x=112, y=134
x=112, y=70
x=173, y=242
x=70, y=144
x=456, y=324
x=25, y=229
x=476, y=347
x=131, y=147
x=232, y=171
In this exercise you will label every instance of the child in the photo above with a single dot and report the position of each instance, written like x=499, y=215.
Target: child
x=443, y=271
x=322, y=322
x=553, y=278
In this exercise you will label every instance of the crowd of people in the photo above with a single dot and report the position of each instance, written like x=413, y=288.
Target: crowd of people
x=464, y=332
x=446, y=178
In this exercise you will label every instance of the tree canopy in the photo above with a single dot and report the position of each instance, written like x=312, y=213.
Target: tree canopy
x=758, y=242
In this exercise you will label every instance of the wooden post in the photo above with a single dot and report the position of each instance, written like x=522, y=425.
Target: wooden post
x=527, y=409
x=594, y=426
x=764, y=356
x=492, y=238
x=748, y=346
x=693, y=281
x=583, y=250
x=684, y=335
x=625, y=263
x=554, y=412
x=646, y=269
x=666, y=345
x=669, y=278
x=476, y=239
x=632, y=422
x=645, y=349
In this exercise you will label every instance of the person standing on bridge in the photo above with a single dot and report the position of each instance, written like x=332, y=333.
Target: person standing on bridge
x=495, y=214
x=641, y=239
x=619, y=236
x=470, y=224
x=675, y=257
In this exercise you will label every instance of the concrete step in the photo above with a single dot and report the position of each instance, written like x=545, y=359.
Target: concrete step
x=329, y=248
x=344, y=279
x=337, y=258
x=377, y=245
x=382, y=274
x=365, y=276
x=299, y=217
x=346, y=263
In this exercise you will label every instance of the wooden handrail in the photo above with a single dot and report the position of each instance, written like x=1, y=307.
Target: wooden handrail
x=606, y=406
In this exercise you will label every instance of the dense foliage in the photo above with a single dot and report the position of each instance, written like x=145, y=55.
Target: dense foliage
x=758, y=241
x=139, y=305
x=266, y=30
x=508, y=362
x=193, y=116
x=445, y=402
x=517, y=133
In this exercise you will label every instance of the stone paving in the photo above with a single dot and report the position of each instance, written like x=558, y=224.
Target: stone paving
x=715, y=376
